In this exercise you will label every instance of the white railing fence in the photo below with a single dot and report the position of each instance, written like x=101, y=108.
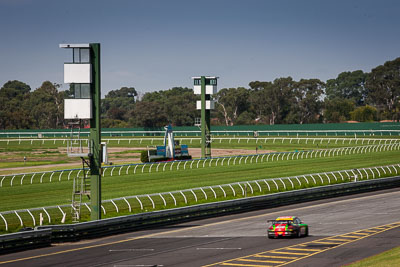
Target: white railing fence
x=149, y=202
x=66, y=133
x=137, y=168
x=143, y=141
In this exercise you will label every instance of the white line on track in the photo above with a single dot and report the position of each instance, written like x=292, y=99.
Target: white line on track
x=219, y=248
x=131, y=249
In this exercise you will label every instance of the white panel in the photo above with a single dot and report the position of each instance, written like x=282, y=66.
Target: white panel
x=77, y=73
x=207, y=77
x=211, y=89
x=210, y=104
x=74, y=45
x=197, y=89
x=77, y=109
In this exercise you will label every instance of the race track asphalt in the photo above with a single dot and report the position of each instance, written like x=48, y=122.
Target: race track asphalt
x=342, y=230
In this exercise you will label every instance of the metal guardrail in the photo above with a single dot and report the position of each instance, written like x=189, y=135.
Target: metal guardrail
x=75, y=232
x=25, y=240
x=140, y=203
x=125, y=169
x=214, y=139
x=84, y=132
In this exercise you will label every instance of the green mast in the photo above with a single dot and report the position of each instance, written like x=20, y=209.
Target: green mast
x=205, y=86
x=83, y=73
x=95, y=135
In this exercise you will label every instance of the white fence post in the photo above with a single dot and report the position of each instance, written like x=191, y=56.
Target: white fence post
x=115, y=205
x=129, y=205
x=183, y=196
x=19, y=217
x=173, y=197
x=163, y=199
x=233, y=190
x=222, y=190
x=5, y=221
x=152, y=202
x=277, y=187
x=48, y=215
x=195, y=197
x=140, y=202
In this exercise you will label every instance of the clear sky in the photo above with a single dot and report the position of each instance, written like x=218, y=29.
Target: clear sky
x=158, y=44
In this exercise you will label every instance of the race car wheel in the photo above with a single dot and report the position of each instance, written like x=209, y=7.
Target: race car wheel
x=299, y=233
x=270, y=236
x=306, y=234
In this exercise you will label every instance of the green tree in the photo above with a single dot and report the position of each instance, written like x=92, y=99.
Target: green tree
x=364, y=114
x=117, y=105
x=176, y=106
x=383, y=86
x=257, y=100
x=274, y=99
x=148, y=114
x=338, y=110
x=348, y=85
x=69, y=93
x=307, y=106
x=14, y=114
x=231, y=103
x=46, y=105
x=179, y=105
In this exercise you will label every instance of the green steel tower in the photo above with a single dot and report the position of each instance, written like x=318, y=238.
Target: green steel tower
x=83, y=73
x=205, y=86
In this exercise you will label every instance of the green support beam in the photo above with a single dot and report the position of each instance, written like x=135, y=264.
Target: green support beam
x=205, y=122
x=95, y=135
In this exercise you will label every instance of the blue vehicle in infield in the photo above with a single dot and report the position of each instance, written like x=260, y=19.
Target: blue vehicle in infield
x=287, y=226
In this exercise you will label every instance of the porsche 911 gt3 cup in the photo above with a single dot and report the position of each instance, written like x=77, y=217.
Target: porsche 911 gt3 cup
x=287, y=226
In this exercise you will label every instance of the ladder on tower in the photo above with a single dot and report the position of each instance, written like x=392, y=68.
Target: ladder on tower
x=81, y=188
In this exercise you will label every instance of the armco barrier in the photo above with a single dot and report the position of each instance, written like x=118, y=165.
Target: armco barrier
x=74, y=232
x=25, y=240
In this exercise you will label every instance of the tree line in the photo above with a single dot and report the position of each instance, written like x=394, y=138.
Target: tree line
x=353, y=95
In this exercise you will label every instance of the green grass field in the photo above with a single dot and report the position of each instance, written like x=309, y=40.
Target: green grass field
x=52, y=151
x=57, y=193
x=388, y=258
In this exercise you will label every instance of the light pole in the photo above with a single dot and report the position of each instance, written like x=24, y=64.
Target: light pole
x=205, y=86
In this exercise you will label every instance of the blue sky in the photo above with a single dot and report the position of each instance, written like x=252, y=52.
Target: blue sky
x=158, y=44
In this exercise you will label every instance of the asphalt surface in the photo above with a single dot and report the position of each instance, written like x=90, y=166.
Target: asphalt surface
x=240, y=240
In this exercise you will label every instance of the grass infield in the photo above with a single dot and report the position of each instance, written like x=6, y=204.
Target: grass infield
x=386, y=259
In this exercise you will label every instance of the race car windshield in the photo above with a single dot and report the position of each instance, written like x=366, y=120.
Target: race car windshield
x=282, y=222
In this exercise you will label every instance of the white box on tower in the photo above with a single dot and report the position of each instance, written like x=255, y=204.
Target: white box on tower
x=77, y=109
x=77, y=73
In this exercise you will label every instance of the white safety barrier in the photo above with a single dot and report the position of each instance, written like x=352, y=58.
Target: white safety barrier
x=44, y=177
x=56, y=214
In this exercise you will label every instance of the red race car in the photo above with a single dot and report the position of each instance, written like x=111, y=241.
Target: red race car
x=287, y=226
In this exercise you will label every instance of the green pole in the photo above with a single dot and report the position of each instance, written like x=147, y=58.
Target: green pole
x=95, y=135
x=203, y=116
x=208, y=130
x=205, y=122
